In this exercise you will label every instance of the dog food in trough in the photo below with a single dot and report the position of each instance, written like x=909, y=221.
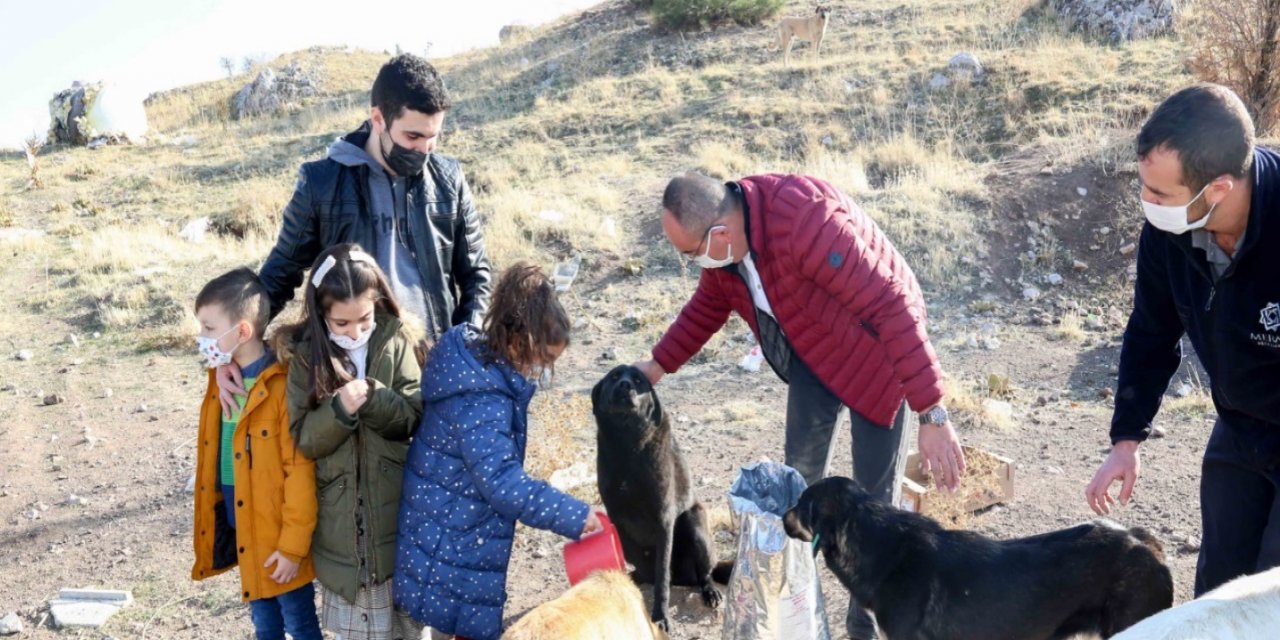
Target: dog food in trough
x=988, y=480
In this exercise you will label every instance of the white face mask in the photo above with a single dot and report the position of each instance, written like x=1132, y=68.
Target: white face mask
x=214, y=356
x=1174, y=219
x=349, y=343
x=706, y=261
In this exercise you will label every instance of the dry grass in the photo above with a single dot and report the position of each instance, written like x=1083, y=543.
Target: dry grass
x=1070, y=327
x=588, y=117
x=975, y=404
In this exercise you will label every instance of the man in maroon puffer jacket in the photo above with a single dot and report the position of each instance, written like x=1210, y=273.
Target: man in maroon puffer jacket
x=837, y=313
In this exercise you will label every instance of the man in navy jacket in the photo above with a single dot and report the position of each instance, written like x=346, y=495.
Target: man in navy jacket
x=1208, y=267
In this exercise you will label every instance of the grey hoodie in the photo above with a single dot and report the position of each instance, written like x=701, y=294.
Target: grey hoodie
x=387, y=203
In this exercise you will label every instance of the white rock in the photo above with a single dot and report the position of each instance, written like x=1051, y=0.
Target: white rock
x=10, y=624
x=997, y=408
x=76, y=501
x=752, y=361
x=73, y=339
x=939, y=81
x=191, y=484
x=1031, y=293
x=87, y=607
x=827, y=141
x=572, y=476
x=551, y=215
x=194, y=231
x=1082, y=191
x=107, y=392
x=965, y=64
x=1117, y=20
x=1054, y=279
x=991, y=343
x=24, y=355
x=1182, y=390
x=1128, y=249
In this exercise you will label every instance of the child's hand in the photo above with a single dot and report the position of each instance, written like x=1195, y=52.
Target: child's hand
x=592, y=524
x=353, y=395
x=286, y=569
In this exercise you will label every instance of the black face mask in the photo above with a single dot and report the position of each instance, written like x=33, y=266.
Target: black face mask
x=405, y=162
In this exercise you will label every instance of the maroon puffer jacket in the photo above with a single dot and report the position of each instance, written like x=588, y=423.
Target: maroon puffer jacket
x=844, y=297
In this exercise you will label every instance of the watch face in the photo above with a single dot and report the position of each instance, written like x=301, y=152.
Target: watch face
x=937, y=415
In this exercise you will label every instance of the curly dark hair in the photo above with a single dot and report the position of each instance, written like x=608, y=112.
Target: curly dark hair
x=409, y=82
x=525, y=317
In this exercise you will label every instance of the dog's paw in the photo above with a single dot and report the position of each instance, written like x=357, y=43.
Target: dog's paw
x=711, y=597
x=663, y=624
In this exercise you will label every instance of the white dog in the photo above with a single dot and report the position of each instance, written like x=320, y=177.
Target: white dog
x=1243, y=609
x=811, y=29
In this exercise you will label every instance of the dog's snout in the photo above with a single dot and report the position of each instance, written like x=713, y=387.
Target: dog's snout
x=794, y=527
x=626, y=384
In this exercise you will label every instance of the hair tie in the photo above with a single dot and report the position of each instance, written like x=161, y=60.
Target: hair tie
x=323, y=270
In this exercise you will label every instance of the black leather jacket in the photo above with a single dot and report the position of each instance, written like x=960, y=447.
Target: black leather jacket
x=330, y=206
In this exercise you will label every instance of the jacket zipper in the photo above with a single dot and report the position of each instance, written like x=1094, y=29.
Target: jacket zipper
x=248, y=451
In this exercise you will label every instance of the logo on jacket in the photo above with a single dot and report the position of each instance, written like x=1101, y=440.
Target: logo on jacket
x=1271, y=317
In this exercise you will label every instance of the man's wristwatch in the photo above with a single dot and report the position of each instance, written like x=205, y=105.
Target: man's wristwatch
x=936, y=415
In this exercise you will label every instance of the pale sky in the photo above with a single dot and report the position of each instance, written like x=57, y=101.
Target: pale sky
x=142, y=46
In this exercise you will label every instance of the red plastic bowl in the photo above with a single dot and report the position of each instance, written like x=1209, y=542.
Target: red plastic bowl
x=601, y=550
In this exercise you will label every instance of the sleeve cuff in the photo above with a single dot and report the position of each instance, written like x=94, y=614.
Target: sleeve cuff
x=290, y=557
x=340, y=413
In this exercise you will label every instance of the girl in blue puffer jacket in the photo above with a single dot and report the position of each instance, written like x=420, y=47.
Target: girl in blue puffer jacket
x=464, y=483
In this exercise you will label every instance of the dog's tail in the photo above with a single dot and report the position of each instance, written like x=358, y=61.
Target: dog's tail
x=721, y=572
x=1149, y=541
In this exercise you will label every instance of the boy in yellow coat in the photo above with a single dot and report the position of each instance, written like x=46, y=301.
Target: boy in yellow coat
x=255, y=496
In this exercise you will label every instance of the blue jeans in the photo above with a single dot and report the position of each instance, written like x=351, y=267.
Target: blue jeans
x=294, y=612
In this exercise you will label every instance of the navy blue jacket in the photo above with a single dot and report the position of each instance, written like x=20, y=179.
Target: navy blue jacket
x=1233, y=321
x=464, y=489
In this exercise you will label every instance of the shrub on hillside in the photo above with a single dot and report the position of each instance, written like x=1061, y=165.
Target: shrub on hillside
x=1236, y=43
x=686, y=14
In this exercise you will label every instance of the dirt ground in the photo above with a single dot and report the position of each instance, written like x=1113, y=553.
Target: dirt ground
x=93, y=486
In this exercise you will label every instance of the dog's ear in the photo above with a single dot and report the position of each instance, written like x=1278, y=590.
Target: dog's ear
x=596, y=391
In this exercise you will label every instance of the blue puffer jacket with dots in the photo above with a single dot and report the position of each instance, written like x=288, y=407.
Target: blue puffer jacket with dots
x=465, y=487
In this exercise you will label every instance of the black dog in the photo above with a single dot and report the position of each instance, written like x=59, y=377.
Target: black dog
x=645, y=487
x=925, y=582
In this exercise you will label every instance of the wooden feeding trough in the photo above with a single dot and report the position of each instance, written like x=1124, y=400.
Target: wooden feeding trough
x=988, y=480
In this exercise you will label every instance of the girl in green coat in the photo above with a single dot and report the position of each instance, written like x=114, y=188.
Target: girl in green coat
x=353, y=402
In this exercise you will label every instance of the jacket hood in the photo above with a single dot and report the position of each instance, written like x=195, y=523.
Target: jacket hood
x=459, y=365
x=349, y=149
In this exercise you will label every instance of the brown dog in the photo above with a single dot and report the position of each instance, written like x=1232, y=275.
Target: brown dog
x=812, y=29
x=606, y=605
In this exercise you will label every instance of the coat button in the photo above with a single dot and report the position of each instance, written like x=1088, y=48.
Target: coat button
x=246, y=594
x=241, y=549
x=239, y=503
x=237, y=456
x=264, y=433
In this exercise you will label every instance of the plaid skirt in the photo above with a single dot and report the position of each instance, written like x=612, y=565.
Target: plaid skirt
x=371, y=617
